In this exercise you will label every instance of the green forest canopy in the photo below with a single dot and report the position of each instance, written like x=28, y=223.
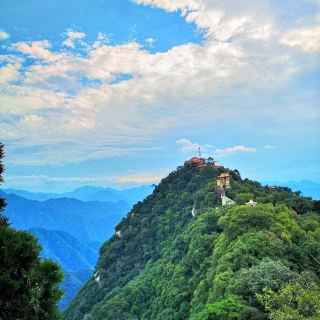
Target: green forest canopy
x=234, y=262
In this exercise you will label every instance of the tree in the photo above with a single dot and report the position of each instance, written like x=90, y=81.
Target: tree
x=28, y=285
x=242, y=198
x=210, y=160
x=230, y=308
x=293, y=302
x=268, y=273
x=3, y=220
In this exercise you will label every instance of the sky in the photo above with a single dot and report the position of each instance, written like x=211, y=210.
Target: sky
x=119, y=92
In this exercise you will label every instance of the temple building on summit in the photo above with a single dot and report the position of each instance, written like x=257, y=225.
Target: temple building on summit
x=197, y=160
x=203, y=162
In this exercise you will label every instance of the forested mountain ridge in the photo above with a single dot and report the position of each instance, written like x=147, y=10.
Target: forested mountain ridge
x=164, y=263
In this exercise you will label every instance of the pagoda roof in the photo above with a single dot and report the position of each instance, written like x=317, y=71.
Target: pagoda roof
x=224, y=175
x=197, y=160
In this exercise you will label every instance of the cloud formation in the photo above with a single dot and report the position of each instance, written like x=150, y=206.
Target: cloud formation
x=270, y=146
x=306, y=39
x=70, y=107
x=232, y=150
x=188, y=146
x=43, y=182
x=4, y=35
x=72, y=37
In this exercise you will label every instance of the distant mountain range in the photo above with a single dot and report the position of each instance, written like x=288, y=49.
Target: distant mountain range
x=307, y=188
x=84, y=220
x=71, y=227
x=89, y=193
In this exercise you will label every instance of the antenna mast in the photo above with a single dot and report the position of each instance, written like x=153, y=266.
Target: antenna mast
x=199, y=152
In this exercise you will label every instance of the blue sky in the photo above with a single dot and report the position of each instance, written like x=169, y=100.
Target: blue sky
x=121, y=92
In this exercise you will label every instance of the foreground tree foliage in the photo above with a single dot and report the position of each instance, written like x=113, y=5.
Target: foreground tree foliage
x=292, y=302
x=165, y=264
x=28, y=285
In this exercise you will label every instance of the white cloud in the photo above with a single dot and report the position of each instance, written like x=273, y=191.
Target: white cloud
x=9, y=72
x=270, y=146
x=222, y=20
x=4, y=35
x=103, y=36
x=68, y=43
x=233, y=150
x=188, y=146
x=38, y=50
x=72, y=37
x=139, y=179
x=306, y=39
x=76, y=35
x=150, y=41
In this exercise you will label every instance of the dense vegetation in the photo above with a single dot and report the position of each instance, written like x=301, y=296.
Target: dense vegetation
x=28, y=285
x=235, y=262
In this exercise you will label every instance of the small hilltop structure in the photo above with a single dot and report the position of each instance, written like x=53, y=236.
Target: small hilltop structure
x=223, y=180
x=226, y=201
x=118, y=233
x=223, y=183
x=198, y=160
x=203, y=162
x=97, y=277
x=251, y=203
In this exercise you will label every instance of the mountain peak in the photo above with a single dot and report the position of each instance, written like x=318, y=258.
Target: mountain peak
x=161, y=237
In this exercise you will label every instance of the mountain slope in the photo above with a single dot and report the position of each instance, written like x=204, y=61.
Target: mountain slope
x=66, y=250
x=73, y=281
x=77, y=259
x=88, y=221
x=165, y=264
x=39, y=196
x=89, y=193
